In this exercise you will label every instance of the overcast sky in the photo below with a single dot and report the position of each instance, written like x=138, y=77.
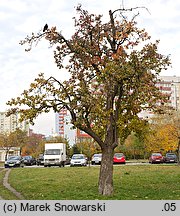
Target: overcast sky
x=19, y=18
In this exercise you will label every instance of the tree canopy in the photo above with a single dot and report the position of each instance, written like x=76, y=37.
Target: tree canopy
x=16, y=138
x=113, y=69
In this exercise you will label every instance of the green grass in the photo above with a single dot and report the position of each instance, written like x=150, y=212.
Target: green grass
x=1, y=164
x=149, y=182
x=5, y=193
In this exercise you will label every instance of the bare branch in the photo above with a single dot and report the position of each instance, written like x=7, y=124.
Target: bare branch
x=130, y=9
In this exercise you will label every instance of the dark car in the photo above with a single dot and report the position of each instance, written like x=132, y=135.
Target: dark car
x=156, y=158
x=14, y=161
x=170, y=158
x=40, y=160
x=29, y=160
x=119, y=158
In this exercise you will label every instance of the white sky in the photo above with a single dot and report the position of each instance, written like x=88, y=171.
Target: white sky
x=19, y=18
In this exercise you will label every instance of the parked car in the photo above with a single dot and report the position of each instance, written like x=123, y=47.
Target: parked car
x=119, y=158
x=14, y=161
x=78, y=160
x=156, y=158
x=170, y=158
x=68, y=160
x=29, y=160
x=40, y=160
x=96, y=159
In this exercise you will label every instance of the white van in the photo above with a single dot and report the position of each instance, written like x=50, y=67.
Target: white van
x=55, y=154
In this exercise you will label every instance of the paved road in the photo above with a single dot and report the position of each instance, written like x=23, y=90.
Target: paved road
x=127, y=164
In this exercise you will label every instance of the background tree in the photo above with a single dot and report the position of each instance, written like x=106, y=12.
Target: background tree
x=113, y=69
x=88, y=148
x=18, y=138
x=136, y=141
x=33, y=146
x=162, y=138
x=4, y=144
x=74, y=150
x=165, y=132
x=134, y=147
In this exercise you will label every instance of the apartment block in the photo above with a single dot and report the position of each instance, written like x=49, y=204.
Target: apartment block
x=171, y=86
x=11, y=123
x=63, y=126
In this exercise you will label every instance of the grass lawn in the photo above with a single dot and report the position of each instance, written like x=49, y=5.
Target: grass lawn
x=1, y=164
x=148, y=182
x=5, y=193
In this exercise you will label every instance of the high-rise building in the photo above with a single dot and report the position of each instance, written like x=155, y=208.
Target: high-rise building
x=63, y=126
x=60, y=122
x=11, y=123
x=169, y=85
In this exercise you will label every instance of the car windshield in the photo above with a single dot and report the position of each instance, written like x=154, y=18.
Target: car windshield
x=27, y=157
x=78, y=157
x=118, y=155
x=13, y=158
x=170, y=155
x=156, y=154
x=52, y=152
x=97, y=155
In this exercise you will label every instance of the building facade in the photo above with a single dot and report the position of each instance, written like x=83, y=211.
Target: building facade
x=169, y=85
x=11, y=123
x=60, y=122
x=63, y=126
x=13, y=151
x=81, y=136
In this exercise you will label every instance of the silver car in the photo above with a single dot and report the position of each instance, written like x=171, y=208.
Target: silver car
x=96, y=159
x=78, y=160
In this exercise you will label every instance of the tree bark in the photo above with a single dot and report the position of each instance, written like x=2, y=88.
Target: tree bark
x=106, y=171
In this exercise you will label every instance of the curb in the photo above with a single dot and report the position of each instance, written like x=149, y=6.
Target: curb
x=8, y=186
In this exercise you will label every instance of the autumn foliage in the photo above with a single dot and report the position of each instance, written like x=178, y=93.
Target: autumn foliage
x=118, y=60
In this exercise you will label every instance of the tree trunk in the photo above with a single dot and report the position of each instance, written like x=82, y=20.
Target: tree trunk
x=6, y=155
x=106, y=171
